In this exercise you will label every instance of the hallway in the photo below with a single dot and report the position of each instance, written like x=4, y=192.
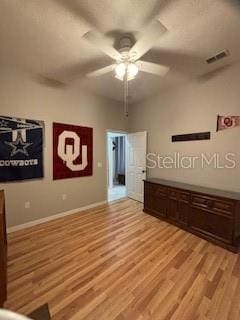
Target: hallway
x=116, y=192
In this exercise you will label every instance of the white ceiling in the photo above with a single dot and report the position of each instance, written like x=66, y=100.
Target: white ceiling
x=45, y=37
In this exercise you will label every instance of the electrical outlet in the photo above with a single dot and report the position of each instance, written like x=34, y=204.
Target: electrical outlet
x=64, y=197
x=27, y=205
x=99, y=164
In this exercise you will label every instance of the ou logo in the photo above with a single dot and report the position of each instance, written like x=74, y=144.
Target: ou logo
x=69, y=153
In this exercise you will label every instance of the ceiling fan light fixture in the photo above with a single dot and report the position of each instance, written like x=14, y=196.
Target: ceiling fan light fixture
x=132, y=70
x=120, y=70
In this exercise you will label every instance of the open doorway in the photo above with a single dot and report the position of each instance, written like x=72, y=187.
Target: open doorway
x=116, y=165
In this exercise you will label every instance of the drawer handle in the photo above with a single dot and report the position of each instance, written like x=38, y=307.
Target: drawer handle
x=210, y=203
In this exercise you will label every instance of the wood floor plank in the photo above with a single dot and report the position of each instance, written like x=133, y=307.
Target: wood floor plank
x=115, y=262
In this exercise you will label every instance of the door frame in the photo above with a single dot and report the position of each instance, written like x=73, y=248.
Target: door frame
x=107, y=156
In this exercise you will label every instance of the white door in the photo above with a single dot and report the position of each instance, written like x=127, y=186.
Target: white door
x=136, y=164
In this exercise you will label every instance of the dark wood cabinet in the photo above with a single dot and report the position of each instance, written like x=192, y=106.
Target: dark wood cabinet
x=3, y=251
x=211, y=224
x=209, y=213
x=156, y=199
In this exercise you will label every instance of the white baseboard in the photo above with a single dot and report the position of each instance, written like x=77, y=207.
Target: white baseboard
x=54, y=217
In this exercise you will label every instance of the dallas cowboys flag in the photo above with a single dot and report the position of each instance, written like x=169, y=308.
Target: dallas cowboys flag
x=21, y=149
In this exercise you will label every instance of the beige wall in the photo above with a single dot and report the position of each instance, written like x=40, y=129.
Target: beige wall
x=193, y=108
x=190, y=108
x=22, y=97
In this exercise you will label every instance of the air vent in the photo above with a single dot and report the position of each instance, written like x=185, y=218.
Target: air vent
x=211, y=60
x=218, y=56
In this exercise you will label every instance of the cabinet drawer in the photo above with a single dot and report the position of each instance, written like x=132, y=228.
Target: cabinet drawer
x=184, y=196
x=223, y=206
x=172, y=193
x=202, y=202
x=159, y=190
x=216, y=226
x=215, y=205
x=155, y=189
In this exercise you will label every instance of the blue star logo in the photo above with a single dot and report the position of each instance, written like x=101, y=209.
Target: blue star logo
x=18, y=146
x=3, y=123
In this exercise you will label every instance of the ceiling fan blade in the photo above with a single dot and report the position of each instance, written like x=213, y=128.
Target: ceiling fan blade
x=144, y=44
x=101, y=71
x=153, y=68
x=101, y=42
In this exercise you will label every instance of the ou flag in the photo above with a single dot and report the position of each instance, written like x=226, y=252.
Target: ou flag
x=227, y=122
x=72, y=151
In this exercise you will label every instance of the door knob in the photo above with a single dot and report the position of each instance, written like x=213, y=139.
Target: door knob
x=143, y=171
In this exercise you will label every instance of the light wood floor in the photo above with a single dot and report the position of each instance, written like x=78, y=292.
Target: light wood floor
x=115, y=262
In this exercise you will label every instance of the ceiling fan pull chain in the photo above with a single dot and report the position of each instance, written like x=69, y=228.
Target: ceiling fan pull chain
x=126, y=94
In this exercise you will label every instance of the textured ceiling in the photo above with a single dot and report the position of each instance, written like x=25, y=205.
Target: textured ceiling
x=45, y=37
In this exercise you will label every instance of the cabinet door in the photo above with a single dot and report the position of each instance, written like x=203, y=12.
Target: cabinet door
x=172, y=212
x=2, y=273
x=3, y=253
x=161, y=205
x=160, y=200
x=184, y=208
x=216, y=226
x=147, y=196
x=155, y=199
x=183, y=213
x=157, y=205
x=178, y=206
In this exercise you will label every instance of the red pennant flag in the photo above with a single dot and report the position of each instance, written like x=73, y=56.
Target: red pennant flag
x=227, y=122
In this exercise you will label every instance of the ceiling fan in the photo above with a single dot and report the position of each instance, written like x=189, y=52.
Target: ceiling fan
x=126, y=59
